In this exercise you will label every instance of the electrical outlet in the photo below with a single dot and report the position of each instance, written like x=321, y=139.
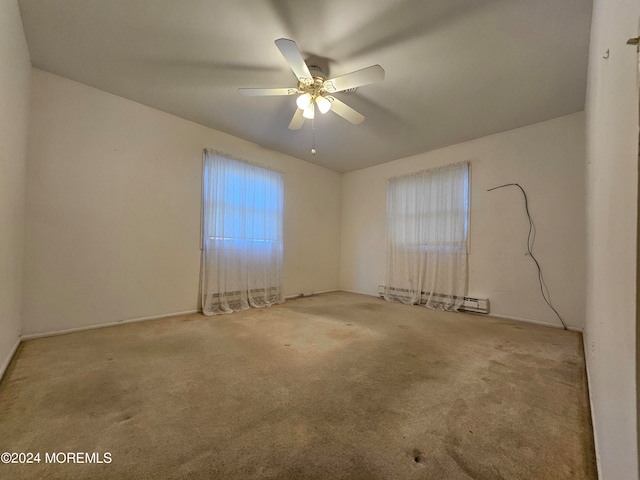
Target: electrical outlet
x=593, y=348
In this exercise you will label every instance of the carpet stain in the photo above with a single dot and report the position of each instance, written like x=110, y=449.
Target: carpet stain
x=418, y=455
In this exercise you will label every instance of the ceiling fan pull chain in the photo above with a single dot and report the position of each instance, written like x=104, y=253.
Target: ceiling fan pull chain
x=313, y=141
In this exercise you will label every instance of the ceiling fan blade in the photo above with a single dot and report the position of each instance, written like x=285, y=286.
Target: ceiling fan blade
x=345, y=111
x=374, y=73
x=292, y=55
x=297, y=121
x=265, y=92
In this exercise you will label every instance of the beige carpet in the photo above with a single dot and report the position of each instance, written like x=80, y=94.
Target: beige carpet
x=334, y=386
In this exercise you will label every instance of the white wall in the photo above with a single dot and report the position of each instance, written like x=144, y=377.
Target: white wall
x=15, y=69
x=612, y=198
x=547, y=159
x=113, y=210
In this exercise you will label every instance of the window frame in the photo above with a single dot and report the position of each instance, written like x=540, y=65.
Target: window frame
x=423, y=245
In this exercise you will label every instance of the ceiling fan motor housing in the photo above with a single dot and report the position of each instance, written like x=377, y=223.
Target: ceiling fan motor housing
x=317, y=72
x=318, y=79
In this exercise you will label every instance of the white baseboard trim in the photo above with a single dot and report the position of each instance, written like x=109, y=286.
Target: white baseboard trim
x=298, y=295
x=593, y=423
x=7, y=361
x=104, y=325
x=528, y=320
x=361, y=293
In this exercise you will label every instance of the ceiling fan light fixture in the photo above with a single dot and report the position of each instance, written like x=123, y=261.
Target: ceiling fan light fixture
x=324, y=105
x=309, y=112
x=303, y=101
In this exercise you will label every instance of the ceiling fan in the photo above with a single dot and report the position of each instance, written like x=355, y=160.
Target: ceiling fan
x=314, y=89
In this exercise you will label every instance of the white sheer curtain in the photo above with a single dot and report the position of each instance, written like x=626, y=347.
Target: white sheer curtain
x=427, y=228
x=242, y=235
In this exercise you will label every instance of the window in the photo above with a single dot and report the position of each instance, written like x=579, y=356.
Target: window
x=430, y=209
x=427, y=231
x=247, y=204
x=242, y=235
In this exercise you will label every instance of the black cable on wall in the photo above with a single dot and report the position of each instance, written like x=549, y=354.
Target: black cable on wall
x=529, y=242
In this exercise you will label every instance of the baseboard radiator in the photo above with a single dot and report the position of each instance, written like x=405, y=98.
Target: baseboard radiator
x=235, y=298
x=469, y=304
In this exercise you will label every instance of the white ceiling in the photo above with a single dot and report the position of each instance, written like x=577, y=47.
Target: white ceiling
x=455, y=69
